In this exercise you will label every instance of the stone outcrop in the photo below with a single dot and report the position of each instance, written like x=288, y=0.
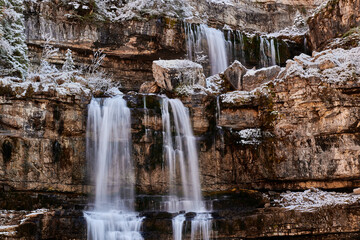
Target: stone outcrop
x=234, y=75
x=149, y=87
x=332, y=21
x=238, y=77
x=254, y=78
x=170, y=74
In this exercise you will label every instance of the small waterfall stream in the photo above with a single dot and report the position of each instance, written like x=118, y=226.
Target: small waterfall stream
x=203, y=42
x=180, y=153
x=218, y=49
x=109, y=151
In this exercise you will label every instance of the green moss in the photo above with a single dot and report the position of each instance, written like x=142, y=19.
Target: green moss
x=269, y=115
x=170, y=22
x=351, y=32
x=303, y=10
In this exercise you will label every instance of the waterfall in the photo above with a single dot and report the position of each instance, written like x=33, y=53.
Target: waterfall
x=209, y=47
x=109, y=151
x=273, y=52
x=203, y=42
x=267, y=52
x=181, y=155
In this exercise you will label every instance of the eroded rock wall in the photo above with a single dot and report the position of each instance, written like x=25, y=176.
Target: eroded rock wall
x=304, y=134
x=253, y=15
x=42, y=143
x=130, y=46
x=334, y=20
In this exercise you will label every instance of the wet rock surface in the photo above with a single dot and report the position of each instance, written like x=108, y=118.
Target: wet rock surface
x=237, y=214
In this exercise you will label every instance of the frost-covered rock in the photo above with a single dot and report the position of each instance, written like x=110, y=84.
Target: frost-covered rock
x=348, y=40
x=234, y=74
x=217, y=85
x=170, y=74
x=313, y=199
x=125, y=10
x=254, y=78
x=19, y=88
x=333, y=66
x=188, y=90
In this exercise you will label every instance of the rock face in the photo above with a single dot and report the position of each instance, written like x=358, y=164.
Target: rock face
x=170, y=74
x=234, y=75
x=238, y=215
x=297, y=132
x=253, y=15
x=338, y=17
x=130, y=46
x=42, y=142
x=288, y=134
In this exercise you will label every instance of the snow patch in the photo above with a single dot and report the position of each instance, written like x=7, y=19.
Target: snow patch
x=191, y=90
x=214, y=84
x=250, y=136
x=119, y=11
x=313, y=199
x=177, y=64
x=332, y=66
x=225, y=2
x=243, y=97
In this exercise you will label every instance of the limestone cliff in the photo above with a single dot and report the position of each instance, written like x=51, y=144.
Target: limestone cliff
x=332, y=21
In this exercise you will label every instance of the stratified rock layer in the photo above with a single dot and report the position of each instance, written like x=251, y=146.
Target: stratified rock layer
x=338, y=17
x=130, y=46
x=296, y=132
x=170, y=74
x=42, y=143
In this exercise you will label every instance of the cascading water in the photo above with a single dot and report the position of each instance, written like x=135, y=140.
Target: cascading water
x=217, y=49
x=204, y=41
x=180, y=152
x=267, y=52
x=108, y=150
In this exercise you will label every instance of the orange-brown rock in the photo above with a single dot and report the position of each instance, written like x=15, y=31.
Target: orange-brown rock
x=332, y=21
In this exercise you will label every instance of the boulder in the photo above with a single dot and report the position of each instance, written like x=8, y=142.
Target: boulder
x=234, y=74
x=170, y=74
x=254, y=78
x=149, y=87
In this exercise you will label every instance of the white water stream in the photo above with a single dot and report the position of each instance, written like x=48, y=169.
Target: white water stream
x=210, y=44
x=203, y=42
x=109, y=151
x=181, y=155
